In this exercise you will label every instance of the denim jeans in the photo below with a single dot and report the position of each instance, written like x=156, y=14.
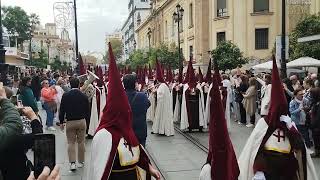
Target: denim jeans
x=50, y=115
x=304, y=131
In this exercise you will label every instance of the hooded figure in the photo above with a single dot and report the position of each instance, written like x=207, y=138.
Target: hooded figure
x=275, y=150
x=163, y=120
x=192, y=108
x=116, y=153
x=222, y=161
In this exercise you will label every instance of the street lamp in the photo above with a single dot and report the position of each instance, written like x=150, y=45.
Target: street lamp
x=149, y=37
x=2, y=50
x=48, y=42
x=283, y=41
x=178, y=17
x=134, y=44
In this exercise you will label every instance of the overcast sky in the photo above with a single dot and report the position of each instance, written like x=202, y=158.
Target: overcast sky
x=95, y=18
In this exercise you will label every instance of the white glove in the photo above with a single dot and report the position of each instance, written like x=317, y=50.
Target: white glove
x=259, y=176
x=287, y=120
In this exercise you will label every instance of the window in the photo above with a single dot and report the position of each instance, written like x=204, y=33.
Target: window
x=191, y=15
x=262, y=38
x=221, y=36
x=261, y=6
x=221, y=8
x=166, y=30
x=191, y=52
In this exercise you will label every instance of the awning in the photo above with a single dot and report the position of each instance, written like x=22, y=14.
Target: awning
x=304, y=62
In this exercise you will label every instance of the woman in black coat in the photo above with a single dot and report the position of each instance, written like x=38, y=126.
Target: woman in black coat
x=315, y=120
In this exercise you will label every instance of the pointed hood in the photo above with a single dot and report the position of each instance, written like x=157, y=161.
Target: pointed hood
x=180, y=77
x=217, y=72
x=200, y=75
x=117, y=114
x=222, y=158
x=150, y=74
x=159, y=74
x=82, y=68
x=192, y=82
x=208, y=78
x=278, y=103
x=186, y=78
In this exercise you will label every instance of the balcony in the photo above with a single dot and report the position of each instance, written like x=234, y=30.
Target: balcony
x=15, y=57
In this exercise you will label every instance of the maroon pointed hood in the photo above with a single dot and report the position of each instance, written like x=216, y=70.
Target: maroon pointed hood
x=192, y=82
x=208, y=78
x=278, y=103
x=217, y=72
x=159, y=74
x=186, y=78
x=222, y=158
x=180, y=77
x=82, y=68
x=117, y=114
x=150, y=74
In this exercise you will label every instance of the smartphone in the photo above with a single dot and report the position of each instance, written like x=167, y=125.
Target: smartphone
x=44, y=152
x=14, y=100
x=19, y=103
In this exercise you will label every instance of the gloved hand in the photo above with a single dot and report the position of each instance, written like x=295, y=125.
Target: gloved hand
x=287, y=120
x=259, y=176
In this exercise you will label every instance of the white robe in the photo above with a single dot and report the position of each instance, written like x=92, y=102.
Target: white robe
x=207, y=111
x=94, y=118
x=177, y=110
x=227, y=85
x=152, y=108
x=184, y=113
x=100, y=153
x=250, y=150
x=103, y=99
x=205, y=173
x=163, y=120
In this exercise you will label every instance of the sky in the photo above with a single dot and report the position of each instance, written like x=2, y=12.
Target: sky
x=96, y=18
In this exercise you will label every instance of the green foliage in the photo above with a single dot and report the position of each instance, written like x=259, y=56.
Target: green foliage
x=41, y=61
x=167, y=56
x=307, y=27
x=117, y=50
x=17, y=21
x=56, y=64
x=228, y=56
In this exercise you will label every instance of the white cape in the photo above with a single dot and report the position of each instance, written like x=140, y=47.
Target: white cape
x=100, y=153
x=205, y=173
x=250, y=150
x=152, y=108
x=163, y=120
x=94, y=119
x=184, y=113
x=103, y=99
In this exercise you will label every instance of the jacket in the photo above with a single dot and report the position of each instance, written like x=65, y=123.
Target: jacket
x=28, y=99
x=249, y=100
x=139, y=107
x=10, y=123
x=295, y=112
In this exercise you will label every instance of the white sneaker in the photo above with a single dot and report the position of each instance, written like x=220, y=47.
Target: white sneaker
x=73, y=167
x=249, y=125
x=80, y=165
x=51, y=128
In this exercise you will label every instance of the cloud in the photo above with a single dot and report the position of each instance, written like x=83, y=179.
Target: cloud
x=95, y=18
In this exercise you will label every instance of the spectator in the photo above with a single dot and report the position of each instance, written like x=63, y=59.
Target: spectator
x=298, y=115
x=75, y=109
x=287, y=86
x=295, y=82
x=265, y=94
x=36, y=86
x=315, y=120
x=15, y=86
x=58, y=98
x=249, y=102
x=139, y=103
x=48, y=101
x=240, y=90
x=26, y=94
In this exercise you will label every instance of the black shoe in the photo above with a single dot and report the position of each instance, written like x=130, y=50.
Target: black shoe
x=58, y=123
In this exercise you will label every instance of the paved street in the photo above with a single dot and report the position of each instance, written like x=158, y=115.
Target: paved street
x=176, y=157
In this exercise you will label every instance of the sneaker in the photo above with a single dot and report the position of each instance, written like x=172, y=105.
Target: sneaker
x=249, y=125
x=240, y=123
x=73, y=167
x=80, y=165
x=51, y=128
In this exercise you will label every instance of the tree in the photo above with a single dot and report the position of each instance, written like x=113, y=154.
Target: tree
x=56, y=64
x=16, y=21
x=41, y=61
x=228, y=56
x=116, y=48
x=307, y=27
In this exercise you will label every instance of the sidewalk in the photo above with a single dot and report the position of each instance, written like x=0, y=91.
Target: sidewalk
x=176, y=156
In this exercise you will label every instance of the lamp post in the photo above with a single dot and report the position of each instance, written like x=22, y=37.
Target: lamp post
x=76, y=33
x=178, y=17
x=149, y=37
x=48, y=42
x=283, y=41
x=2, y=50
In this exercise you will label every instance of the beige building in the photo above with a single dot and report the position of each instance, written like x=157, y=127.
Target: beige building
x=194, y=30
x=254, y=24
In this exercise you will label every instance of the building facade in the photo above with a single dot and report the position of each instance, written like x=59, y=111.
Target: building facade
x=138, y=11
x=48, y=40
x=253, y=25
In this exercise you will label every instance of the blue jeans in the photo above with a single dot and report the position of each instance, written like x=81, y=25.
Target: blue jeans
x=304, y=131
x=50, y=115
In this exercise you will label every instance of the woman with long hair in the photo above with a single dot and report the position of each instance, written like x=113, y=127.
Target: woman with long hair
x=26, y=94
x=249, y=102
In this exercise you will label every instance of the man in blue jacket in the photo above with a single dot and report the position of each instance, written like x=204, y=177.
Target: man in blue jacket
x=139, y=103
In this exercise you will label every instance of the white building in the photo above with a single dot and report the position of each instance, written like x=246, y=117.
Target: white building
x=138, y=11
